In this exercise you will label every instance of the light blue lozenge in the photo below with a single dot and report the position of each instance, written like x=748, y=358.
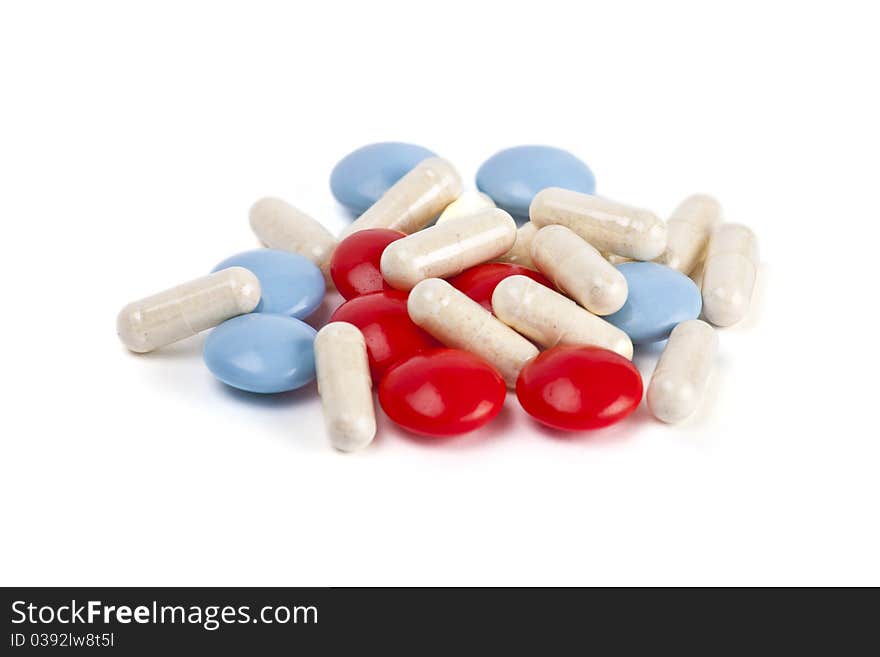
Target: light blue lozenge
x=289, y=283
x=659, y=298
x=361, y=177
x=513, y=176
x=262, y=353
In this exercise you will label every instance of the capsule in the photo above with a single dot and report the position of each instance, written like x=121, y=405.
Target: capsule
x=688, y=230
x=279, y=225
x=187, y=309
x=413, y=201
x=608, y=225
x=520, y=252
x=550, y=319
x=460, y=322
x=729, y=274
x=679, y=380
x=579, y=270
x=345, y=386
x=448, y=249
x=465, y=205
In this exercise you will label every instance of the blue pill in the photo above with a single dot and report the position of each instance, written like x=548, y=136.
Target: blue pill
x=360, y=178
x=289, y=283
x=262, y=353
x=659, y=299
x=513, y=176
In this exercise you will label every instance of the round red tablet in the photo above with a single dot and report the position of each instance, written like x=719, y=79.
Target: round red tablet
x=479, y=282
x=442, y=392
x=388, y=331
x=354, y=266
x=579, y=387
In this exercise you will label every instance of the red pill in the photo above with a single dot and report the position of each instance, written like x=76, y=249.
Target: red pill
x=442, y=392
x=579, y=387
x=354, y=266
x=479, y=282
x=388, y=331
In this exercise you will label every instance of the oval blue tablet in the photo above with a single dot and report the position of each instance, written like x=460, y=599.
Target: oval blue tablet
x=513, y=176
x=289, y=283
x=262, y=353
x=360, y=178
x=659, y=299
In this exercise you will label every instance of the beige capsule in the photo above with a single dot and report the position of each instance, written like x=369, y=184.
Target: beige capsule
x=448, y=249
x=458, y=321
x=579, y=270
x=187, y=309
x=279, y=225
x=520, y=252
x=682, y=373
x=414, y=201
x=345, y=386
x=608, y=225
x=550, y=318
x=465, y=205
x=729, y=274
x=688, y=230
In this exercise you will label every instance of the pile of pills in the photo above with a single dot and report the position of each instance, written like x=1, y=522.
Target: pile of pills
x=534, y=283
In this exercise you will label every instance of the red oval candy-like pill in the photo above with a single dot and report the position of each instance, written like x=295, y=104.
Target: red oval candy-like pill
x=479, y=282
x=388, y=331
x=354, y=266
x=579, y=387
x=442, y=392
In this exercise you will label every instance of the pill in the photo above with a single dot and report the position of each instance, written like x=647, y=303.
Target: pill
x=479, y=282
x=688, y=230
x=460, y=322
x=679, y=380
x=448, y=249
x=729, y=274
x=549, y=318
x=467, y=204
x=279, y=225
x=520, y=253
x=414, y=201
x=187, y=309
x=345, y=386
x=607, y=225
x=579, y=270
x=354, y=266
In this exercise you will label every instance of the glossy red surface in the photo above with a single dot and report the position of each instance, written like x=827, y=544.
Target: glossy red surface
x=479, y=282
x=388, y=331
x=574, y=387
x=354, y=266
x=442, y=392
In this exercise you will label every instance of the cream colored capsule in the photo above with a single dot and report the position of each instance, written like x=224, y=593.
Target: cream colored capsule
x=729, y=274
x=608, y=225
x=448, y=249
x=465, y=205
x=187, y=309
x=520, y=252
x=679, y=380
x=414, y=201
x=279, y=225
x=345, y=386
x=460, y=322
x=549, y=318
x=688, y=230
x=579, y=270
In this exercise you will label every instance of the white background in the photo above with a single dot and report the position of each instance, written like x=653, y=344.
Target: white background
x=135, y=136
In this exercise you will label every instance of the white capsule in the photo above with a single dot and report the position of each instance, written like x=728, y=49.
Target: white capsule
x=448, y=249
x=414, y=201
x=458, y=321
x=465, y=205
x=579, y=270
x=549, y=318
x=729, y=274
x=520, y=252
x=187, y=309
x=679, y=380
x=607, y=225
x=688, y=230
x=279, y=225
x=345, y=386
